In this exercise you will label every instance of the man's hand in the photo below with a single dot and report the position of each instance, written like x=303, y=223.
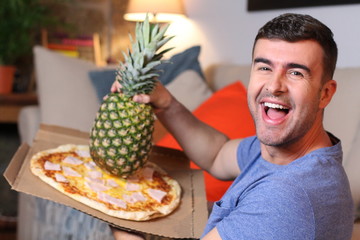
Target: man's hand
x=160, y=98
x=122, y=235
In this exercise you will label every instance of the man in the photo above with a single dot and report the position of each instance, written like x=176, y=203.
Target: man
x=289, y=181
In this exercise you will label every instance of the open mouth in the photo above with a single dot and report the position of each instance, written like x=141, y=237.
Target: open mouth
x=275, y=111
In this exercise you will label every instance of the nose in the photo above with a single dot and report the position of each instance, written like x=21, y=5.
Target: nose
x=276, y=84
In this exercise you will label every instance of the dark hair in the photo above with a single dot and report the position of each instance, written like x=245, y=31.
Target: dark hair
x=296, y=27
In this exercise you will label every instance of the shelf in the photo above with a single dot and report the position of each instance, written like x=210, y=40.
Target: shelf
x=11, y=104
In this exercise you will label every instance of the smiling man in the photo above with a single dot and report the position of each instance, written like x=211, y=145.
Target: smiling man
x=287, y=95
x=289, y=181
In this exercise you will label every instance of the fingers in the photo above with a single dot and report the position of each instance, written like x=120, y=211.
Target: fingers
x=115, y=87
x=142, y=98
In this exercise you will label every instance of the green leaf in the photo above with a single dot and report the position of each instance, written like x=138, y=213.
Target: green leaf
x=146, y=30
x=154, y=31
x=163, y=42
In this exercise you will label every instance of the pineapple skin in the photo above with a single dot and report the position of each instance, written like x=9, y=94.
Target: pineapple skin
x=121, y=137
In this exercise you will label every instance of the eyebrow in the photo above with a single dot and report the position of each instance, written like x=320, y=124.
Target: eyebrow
x=296, y=65
x=288, y=65
x=262, y=60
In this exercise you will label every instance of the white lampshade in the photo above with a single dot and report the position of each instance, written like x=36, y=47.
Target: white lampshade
x=158, y=10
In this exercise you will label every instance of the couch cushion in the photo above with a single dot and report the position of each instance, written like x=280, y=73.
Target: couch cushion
x=66, y=95
x=189, y=83
x=342, y=118
x=227, y=111
x=221, y=75
x=342, y=115
x=352, y=168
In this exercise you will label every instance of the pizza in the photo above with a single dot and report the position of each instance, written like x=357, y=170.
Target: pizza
x=147, y=194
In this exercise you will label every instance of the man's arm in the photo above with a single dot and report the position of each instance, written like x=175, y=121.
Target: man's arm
x=208, y=148
x=212, y=235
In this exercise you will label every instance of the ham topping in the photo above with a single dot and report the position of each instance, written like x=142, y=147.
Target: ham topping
x=156, y=194
x=132, y=186
x=52, y=166
x=90, y=165
x=95, y=174
x=109, y=199
x=96, y=186
x=112, y=183
x=135, y=197
x=60, y=178
x=71, y=172
x=97, y=180
x=73, y=160
x=83, y=153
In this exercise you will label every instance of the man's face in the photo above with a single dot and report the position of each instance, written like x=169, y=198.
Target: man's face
x=285, y=90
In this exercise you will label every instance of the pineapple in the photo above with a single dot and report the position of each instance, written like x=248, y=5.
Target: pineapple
x=121, y=137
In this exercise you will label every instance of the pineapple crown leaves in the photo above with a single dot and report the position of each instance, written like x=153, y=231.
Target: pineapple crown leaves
x=138, y=73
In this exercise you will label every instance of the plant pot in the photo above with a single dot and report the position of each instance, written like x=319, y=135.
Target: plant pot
x=7, y=73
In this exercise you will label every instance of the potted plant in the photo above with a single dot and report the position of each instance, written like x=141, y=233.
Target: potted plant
x=20, y=23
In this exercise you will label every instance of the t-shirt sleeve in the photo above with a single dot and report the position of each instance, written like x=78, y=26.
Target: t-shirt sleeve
x=272, y=211
x=248, y=150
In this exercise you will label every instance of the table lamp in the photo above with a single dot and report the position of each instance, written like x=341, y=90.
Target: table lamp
x=158, y=10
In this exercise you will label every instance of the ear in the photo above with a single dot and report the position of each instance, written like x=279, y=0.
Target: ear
x=327, y=92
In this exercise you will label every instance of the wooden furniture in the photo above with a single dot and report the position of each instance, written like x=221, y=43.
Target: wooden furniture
x=10, y=105
x=84, y=48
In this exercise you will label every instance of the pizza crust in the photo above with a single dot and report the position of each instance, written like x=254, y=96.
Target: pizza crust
x=140, y=215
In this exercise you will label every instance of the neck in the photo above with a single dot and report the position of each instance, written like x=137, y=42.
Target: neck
x=289, y=152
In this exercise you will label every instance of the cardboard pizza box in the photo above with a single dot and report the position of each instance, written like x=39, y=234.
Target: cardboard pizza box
x=187, y=221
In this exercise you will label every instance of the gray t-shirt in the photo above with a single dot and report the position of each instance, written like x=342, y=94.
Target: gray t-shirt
x=307, y=199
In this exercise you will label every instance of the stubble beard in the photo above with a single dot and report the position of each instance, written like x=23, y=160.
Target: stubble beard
x=295, y=130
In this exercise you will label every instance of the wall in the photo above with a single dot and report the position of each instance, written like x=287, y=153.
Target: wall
x=225, y=29
x=105, y=17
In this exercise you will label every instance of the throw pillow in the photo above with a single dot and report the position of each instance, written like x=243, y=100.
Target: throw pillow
x=187, y=82
x=102, y=79
x=187, y=60
x=65, y=93
x=227, y=111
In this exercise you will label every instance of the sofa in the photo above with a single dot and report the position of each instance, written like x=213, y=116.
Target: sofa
x=70, y=91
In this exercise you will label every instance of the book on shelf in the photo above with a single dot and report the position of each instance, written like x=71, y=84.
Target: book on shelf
x=69, y=53
x=78, y=42
x=63, y=47
x=74, y=48
x=83, y=47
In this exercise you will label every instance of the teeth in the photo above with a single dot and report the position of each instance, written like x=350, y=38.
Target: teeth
x=273, y=105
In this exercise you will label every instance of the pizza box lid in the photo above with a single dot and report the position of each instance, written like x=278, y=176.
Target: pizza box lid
x=187, y=221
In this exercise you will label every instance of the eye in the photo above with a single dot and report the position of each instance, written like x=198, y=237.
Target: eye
x=295, y=74
x=264, y=69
